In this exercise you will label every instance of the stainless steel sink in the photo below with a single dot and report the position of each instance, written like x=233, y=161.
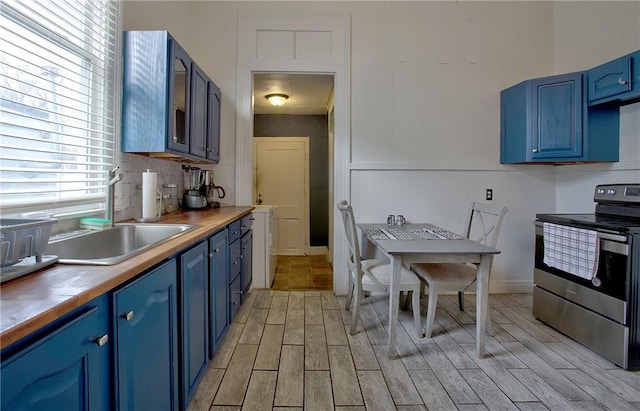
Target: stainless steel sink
x=113, y=245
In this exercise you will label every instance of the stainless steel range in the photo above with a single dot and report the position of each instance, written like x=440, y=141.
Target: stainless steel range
x=587, y=274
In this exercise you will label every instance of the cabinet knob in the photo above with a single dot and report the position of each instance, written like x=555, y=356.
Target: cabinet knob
x=217, y=250
x=101, y=340
x=234, y=262
x=127, y=316
x=535, y=150
x=622, y=81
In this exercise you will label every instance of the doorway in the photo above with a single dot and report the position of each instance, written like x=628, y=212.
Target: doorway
x=293, y=173
x=296, y=43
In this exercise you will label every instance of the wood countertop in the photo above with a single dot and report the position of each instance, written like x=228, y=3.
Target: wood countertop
x=30, y=302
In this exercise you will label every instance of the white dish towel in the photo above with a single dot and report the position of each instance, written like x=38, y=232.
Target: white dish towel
x=572, y=250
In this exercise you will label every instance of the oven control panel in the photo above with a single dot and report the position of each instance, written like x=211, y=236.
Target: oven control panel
x=620, y=193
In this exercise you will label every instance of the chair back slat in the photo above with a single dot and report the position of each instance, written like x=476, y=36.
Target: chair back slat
x=353, y=258
x=484, y=222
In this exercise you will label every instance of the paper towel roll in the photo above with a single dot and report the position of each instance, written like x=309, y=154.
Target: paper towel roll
x=149, y=189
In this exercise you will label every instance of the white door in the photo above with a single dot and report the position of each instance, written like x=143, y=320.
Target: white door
x=281, y=177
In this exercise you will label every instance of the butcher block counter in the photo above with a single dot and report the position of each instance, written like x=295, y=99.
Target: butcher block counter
x=35, y=300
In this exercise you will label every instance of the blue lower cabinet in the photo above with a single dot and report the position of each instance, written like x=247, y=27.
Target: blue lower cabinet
x=247, y=259
x=235, y=291
x=65, y=369
x=218, y=289
x=146, y=332
x=194, y=318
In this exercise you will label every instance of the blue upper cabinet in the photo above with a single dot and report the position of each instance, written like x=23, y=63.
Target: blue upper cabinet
x=615, y=82
x=66, y=369
x=166, y=109
x=546, y=120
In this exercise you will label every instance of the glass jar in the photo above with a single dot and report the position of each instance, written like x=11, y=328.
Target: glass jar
x=171, y=202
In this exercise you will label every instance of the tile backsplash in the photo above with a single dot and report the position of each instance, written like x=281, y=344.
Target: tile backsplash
x=129, y=190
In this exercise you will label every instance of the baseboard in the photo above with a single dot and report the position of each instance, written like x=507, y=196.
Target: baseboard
x=318, y=250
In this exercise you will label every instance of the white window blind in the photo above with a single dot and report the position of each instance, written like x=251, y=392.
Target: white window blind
x=58, y=92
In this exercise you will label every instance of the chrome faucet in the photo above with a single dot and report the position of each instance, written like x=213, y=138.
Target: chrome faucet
x=112, y=179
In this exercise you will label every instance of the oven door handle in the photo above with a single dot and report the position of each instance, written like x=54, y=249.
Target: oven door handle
x=617, y=244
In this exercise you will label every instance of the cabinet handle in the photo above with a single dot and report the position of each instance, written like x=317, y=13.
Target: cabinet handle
x=101, y=340
x=535, y=150
x=127, y=316
x=621, y=81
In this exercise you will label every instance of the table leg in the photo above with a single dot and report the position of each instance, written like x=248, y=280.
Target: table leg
x=394, y=301
x=482, y=302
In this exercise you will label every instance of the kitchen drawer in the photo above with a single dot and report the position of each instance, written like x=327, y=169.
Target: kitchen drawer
x=235, y=297
x=246, y=224
x=235, y=230
x=235, y=260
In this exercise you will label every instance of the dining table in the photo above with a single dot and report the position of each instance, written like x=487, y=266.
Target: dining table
x=427, y=243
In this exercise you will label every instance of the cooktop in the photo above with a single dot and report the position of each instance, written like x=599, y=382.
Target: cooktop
x=594, y=221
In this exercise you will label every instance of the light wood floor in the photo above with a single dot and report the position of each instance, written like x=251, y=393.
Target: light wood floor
x=289, y=350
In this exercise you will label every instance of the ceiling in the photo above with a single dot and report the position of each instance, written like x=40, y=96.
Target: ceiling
x=308, y=93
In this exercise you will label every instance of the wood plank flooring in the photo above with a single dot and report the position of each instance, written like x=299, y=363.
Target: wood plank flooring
x=291, y=350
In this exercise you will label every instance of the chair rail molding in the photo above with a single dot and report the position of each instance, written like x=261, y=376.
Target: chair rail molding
x=302, y=43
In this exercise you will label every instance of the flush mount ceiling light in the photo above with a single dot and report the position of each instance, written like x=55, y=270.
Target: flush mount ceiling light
x=277, y=99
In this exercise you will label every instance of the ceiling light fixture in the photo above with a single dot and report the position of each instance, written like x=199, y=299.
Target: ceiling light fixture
x=277, y=99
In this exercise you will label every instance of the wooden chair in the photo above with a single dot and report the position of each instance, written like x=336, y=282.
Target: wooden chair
x=483, y=223
x=373, y=274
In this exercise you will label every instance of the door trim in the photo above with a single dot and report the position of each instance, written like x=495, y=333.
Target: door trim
x=339, y=65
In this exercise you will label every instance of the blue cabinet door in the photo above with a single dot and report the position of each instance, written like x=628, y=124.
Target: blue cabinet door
x=557, y=117
x=615, y=82
x=194, y=318
x=609, y=79
x=247, y=259
x=67, y=369
x=213, y=123
x=179, y=98
x=146, y=330
x=199, y=112
x=218, y=289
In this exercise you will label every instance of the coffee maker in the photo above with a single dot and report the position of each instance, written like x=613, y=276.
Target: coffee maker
x=212, y=190
x=193, y=181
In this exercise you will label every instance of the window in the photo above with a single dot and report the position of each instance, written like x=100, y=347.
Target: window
x=58, y=103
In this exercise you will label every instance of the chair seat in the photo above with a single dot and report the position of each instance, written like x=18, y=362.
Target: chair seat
x=448, y=274
x=381, y=269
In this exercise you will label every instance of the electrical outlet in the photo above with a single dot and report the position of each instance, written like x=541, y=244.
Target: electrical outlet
x=488, y=194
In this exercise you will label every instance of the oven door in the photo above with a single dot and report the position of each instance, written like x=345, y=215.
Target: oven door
x=607, y=293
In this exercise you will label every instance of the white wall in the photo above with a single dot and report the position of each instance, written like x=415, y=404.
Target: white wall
x=587, y=34
x=425, y=83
